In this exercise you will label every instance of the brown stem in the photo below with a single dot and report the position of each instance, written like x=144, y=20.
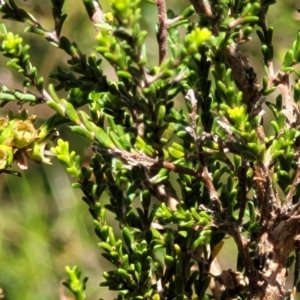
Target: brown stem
x=242, y=196
x=46, y=95
x=164, y=192
x=267, y=200
x=203, y=173
x=203, y=7
x=94, y=11
x=244, y=77
x=289, y=198
x=213, y=195
x=297, y=267
x=289, y=107
x=152, y=163
x=243, y=248
x=276, y=244
x=235, y=23
x=145, y=161
x=162, y=31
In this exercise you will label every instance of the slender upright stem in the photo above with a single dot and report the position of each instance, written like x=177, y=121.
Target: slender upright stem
x=94, y=11
x=162, y=30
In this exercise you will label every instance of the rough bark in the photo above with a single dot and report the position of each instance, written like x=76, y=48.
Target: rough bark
x=276, y=244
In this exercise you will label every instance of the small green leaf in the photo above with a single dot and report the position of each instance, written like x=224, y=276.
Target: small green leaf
x=296, y=48
x=123, y=74
x=288, y=59
x=198, y=242
x=175, y=153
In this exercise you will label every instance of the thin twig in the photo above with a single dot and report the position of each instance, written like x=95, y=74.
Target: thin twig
x=293, y=291
x=151, y=79
x=289, y=198
x=171, y=22
x=243, y=248
x=190, y=97
x=133, y=159
x=204, y=174
x=242, y=196
x=203, y=7
x=165, y=192
x=289, y=108
x=213, y=195
x=46, y=95
x=267, y=201
x=162, y=30
x=52, y=37
x=297, y=268
x=244, y=77
x=235, y=23
x=94, y=11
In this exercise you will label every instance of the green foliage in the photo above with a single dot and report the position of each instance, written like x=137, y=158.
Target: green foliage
x=74, y=284
x=232, y=178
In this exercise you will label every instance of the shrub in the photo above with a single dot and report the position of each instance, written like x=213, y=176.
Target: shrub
x=181, y=178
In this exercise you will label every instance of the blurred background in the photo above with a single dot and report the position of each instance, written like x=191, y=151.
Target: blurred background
x=44, y=225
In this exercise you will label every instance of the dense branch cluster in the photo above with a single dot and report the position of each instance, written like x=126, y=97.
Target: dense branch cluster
x=180, y=181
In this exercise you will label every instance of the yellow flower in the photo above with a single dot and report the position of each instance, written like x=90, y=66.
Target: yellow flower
x=196, y=38
x=24, y=133
x=11, y=43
